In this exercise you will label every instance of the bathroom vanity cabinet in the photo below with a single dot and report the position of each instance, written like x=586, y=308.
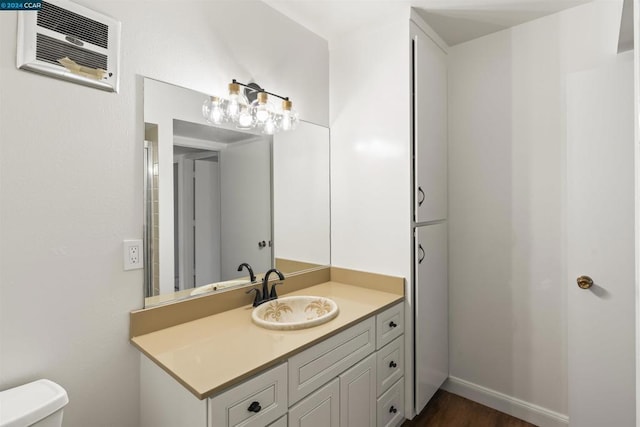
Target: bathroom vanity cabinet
x=353, y=378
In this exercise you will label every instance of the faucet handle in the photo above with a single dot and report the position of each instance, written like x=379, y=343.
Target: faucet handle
x=273, y=294
x=257, y=299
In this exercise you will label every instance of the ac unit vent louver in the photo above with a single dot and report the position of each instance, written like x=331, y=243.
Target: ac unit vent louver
x=50, y=50
x=71, y=24
x=62, y=29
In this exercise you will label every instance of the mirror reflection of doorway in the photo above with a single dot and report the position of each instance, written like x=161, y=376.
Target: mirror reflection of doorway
x=222, y=211
x=197, y=217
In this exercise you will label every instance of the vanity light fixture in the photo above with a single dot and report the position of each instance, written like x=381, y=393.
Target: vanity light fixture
x=213, y=110
x=251, y=108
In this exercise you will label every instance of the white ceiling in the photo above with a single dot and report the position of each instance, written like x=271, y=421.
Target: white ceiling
x=456, y=21
x=208, y=133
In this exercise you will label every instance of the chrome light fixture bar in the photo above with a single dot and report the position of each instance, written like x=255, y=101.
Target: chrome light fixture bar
x=251, y=108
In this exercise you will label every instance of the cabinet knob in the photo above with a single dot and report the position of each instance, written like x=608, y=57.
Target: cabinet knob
x=393, y=410
x=254, y=407
x=420, y=199
x=393, y=364
x=392, y=324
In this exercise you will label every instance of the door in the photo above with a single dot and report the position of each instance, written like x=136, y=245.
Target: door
x=429, y=128
x=600, y=244
x=431, y=315
x=319, y=409
x=245, y=179
x=206, y=221
x=358, y=394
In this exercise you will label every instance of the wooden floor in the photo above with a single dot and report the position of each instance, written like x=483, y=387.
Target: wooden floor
x=449, y=410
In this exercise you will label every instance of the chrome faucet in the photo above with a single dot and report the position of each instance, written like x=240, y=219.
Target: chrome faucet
x=252, y=276
x=265, y=295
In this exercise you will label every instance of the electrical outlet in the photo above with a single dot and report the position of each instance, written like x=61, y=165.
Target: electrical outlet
x=132, y=254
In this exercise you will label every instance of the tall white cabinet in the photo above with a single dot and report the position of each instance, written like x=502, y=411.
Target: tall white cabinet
x=429, y=150
x=383, y=173
x=429, y=133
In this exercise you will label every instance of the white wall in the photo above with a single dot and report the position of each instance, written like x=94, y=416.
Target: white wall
x=507, y=200
x=370, y=150
x=371, y=156
x=301, y=194
x=71, y=186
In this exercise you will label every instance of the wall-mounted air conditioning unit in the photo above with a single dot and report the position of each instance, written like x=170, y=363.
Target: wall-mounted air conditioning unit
x=70, y=42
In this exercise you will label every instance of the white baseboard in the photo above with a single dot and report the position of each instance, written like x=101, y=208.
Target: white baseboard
x=509, y=405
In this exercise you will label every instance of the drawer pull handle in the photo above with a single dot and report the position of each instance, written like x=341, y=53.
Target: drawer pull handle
x=393, y=410
x=393, y=364
x=392, y=324
x=254, y=407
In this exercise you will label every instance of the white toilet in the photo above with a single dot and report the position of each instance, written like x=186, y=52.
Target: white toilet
x=37, y=404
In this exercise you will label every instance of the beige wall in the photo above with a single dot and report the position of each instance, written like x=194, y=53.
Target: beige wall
x=71, y=185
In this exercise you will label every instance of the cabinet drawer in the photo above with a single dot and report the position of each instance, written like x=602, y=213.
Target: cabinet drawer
x=317, y=365
x=390, y=364
x=389, y=325
x=391, y=406
x=321, y=408
x=254, y=403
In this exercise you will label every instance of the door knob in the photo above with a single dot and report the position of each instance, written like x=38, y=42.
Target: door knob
x=585, y=282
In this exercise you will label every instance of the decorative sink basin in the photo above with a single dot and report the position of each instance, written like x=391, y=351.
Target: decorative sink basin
x=295, y=312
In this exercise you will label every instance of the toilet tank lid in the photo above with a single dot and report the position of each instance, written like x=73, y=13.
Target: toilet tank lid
x=29, y=403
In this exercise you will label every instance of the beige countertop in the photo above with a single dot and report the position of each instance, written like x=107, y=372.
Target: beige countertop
x=212, y=353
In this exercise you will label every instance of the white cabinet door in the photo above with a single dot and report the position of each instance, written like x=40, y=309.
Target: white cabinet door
x=600, y=244
x=429, y=128
x=358, y=394
x=320, y=409
x=431, y=314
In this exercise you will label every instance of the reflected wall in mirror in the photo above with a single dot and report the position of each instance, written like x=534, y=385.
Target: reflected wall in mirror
x=216, y=197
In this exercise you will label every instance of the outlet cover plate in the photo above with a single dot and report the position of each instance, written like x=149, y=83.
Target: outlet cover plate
x=132, y=254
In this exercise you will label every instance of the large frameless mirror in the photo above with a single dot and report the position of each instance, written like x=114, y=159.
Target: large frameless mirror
x=217, y=197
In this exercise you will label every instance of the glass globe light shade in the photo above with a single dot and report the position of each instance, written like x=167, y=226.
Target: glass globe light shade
x=288, y=119
x=261, y=108
x=235, y=103
x=206, y=108
x=245, y=119
x=216, y=111
x=270, y=126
